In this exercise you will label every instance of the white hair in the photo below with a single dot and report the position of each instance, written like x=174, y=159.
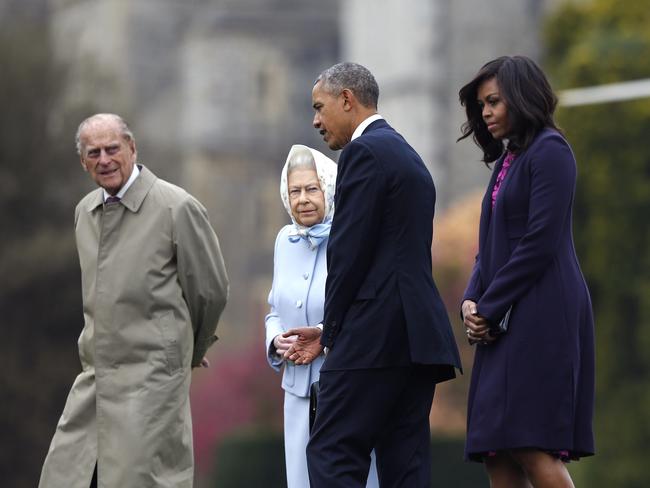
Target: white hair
x=124, y=128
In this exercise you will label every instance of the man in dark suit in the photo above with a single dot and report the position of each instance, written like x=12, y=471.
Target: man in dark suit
x=388, y=336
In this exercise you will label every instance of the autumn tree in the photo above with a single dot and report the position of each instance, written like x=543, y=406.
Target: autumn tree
x=593, y=43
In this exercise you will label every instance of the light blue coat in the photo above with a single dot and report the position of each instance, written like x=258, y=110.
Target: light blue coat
x=296, y=300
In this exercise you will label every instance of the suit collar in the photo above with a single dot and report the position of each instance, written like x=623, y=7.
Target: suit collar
x=377, y=124
x=133, y=197
x=361, y=128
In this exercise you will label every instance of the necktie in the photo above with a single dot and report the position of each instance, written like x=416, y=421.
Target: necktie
x=111, y=200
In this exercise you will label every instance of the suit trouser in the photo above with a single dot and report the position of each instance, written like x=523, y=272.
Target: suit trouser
x=384, y=408
x=296, y=436
x=93, y=482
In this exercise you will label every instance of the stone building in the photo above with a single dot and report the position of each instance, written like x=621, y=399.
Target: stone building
x=216, y=93
x=422, y=52
x=218, y=90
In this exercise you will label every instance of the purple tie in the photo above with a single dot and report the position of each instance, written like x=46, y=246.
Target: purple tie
x=111, y=200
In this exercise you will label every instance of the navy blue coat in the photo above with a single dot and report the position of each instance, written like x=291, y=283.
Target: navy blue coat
x=534, y=386
x=382, y=308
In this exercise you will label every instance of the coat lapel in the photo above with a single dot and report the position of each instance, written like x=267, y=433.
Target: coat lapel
x=137, y=192
x=486, y=205
x=133, y=197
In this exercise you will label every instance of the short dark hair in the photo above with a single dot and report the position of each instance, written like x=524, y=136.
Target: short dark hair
x=356, y=78
x=529, y=99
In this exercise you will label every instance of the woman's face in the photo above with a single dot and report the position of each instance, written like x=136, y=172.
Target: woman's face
x=493, y=108
x=306, y=197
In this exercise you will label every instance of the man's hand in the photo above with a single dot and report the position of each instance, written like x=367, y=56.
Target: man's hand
x=476, y=327
x=282, y=343
x=306, y=347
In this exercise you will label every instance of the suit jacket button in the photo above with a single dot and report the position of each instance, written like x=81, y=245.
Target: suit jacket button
x=305, y=275
x=298, y=303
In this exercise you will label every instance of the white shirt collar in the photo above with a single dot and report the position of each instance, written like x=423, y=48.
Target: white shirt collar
x=129, y=182
x=363, y=125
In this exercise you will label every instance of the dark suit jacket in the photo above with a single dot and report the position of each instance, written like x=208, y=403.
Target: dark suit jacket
x=382, y=307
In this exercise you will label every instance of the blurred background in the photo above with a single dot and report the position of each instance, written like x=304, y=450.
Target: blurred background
x=216, y=92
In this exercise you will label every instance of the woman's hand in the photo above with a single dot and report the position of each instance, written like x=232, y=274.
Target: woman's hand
x=282, y=344
x=476, y=327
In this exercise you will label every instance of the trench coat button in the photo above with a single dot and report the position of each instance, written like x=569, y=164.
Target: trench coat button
x=305, y=275
x=298, y=303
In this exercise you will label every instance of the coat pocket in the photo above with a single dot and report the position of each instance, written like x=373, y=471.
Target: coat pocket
x=368, y=291
x=289, y=375
x=516, y=228
x=171, y=343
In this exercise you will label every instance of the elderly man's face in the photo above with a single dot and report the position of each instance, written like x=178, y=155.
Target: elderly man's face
x=107, y=155
x=331, y=118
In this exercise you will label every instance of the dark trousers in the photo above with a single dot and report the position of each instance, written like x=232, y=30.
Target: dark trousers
x=386, y=409
x=93, y=482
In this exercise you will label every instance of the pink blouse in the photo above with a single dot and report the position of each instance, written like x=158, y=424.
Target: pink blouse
x=510, y=157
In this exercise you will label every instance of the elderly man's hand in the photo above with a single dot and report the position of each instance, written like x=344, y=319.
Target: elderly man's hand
x=307, y=346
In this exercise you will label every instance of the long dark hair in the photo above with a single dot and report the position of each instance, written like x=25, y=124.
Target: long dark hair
x=529, y=99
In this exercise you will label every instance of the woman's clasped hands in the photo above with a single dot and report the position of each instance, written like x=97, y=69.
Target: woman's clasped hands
x=477, y=328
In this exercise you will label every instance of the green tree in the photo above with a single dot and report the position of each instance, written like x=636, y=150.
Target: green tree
x=592, y=43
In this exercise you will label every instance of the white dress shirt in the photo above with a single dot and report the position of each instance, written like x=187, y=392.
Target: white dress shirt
x=362, y=126
x=129, y=182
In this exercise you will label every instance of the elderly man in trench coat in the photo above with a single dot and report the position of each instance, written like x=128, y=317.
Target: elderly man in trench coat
x=154, y=285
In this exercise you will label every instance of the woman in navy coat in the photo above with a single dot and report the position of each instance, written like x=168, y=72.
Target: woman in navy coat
x=526, y=306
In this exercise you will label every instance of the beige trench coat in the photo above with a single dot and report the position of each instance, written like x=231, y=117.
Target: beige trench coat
x=154, y=285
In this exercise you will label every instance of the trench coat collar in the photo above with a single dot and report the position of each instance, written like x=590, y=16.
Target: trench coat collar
x=133, y=197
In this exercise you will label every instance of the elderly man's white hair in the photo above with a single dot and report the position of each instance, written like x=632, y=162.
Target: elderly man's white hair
x=124, y=128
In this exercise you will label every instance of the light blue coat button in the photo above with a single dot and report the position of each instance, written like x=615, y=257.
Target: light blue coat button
x=298, y=303
x=305, y=275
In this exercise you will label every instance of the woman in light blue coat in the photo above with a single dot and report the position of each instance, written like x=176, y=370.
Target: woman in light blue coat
x=298, y=294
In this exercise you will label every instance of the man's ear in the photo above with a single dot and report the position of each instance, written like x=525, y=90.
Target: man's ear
x=349, y=100
x=134, y=150
x=83, y=163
